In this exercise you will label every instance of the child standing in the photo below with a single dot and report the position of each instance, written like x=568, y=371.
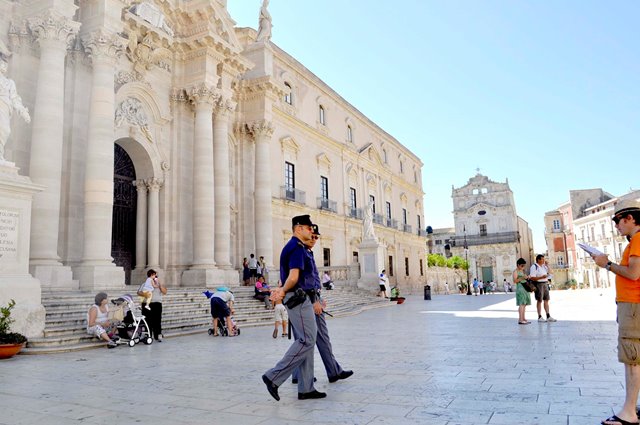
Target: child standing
x=281, y=317
x=145, y=292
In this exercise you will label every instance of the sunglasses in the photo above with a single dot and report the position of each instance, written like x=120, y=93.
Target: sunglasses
x=315, y=237
x=616, y=219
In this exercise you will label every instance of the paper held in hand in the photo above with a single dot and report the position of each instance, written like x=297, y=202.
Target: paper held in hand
x=590, y=250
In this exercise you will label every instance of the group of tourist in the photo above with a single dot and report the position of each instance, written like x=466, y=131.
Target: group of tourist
x=253, y=268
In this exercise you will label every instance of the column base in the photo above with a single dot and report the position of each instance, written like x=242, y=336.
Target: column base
x=209, y=278
x=94, y=278
x=54, y=277
x=29, y=313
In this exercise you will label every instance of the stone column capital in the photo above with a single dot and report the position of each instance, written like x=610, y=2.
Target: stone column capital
x=224, y=107
x=260, y=129
x=141, y=185
x=102, y=45
x=203, y=95
x=53, y=30
x=154, y=184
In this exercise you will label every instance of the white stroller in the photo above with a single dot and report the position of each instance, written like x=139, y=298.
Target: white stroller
x=133, y=328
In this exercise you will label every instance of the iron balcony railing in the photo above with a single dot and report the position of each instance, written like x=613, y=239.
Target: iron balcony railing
x=292, y=194
x=378, y=219
x=390, y=222
x=407, y=228
x=355, y=213
x=327, y=204
x=504, y=237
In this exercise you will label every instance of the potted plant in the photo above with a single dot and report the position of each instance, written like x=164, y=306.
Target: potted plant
x=10, y=342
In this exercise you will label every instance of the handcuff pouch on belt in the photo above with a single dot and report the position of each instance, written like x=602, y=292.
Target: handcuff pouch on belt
x=296, y=299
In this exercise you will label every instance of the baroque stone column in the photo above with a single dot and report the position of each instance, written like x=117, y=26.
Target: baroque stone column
x=262, y=132
x=141, y=225
x=204, y=98
x=223, y=110
x=97, y=270
x=53, y=32
x=153, y=232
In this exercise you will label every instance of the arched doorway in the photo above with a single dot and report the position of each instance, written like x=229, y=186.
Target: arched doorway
x=123, y=235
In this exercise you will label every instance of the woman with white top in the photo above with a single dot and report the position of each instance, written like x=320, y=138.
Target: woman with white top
x=98, y=322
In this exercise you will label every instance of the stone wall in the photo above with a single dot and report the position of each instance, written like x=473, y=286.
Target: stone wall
x=436, y=277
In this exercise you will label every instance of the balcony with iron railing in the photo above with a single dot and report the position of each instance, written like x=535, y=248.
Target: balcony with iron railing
x=407, y=228
x=355, y=213
x=327, y=204
x=489, y=238
x=292, y=194
x=379, y=219
x=390, y=222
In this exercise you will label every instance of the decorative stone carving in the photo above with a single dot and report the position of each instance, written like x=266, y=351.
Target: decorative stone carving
x=151, y=14
x=52, y=27
x=264, y=25
x=203, y=94
x=103, y=45
x=124, y=77
x=145, y=53
x=4, y=51
x=154, y=184
x=225, y=106
x=367, y=229
x=164, y=166
x=261, y=128
x=132, y=111
x=9, y=101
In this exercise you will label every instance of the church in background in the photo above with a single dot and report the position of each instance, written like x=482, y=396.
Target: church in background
x=166, y=137
x=488, y=228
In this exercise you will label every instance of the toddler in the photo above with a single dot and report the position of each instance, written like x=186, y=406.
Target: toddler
x=145, y=292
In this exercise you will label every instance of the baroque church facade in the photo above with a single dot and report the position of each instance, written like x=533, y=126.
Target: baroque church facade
x=166, y=137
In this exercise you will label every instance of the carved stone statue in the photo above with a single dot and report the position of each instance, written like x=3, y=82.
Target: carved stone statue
x=368, y=222
x=264, y=27
x=9, y=101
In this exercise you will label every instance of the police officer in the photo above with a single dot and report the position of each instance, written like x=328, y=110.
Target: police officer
x=298, y=295
x=323, y=342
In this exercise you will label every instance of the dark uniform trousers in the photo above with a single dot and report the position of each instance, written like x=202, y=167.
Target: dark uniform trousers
x=300, y=354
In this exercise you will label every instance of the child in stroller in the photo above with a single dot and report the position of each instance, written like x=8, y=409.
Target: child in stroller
x=133, y=328
x=221, y=312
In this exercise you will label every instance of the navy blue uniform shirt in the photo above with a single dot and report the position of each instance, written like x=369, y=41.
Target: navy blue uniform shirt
x=295, y=255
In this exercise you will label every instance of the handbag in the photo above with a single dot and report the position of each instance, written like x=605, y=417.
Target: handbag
x=529, y=285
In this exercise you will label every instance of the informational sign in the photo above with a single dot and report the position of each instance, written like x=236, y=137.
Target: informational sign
x=9, y=221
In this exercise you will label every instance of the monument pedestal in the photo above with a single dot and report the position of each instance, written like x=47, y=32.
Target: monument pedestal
x=100, y=277
x=16, y=195
x=371, y=254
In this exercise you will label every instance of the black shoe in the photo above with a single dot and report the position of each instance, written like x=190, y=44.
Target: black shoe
x=310, y=395
x=295, y=381
x=271, y=387
x=342, y=375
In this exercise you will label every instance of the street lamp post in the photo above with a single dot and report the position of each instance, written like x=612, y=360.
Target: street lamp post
x=466, y=257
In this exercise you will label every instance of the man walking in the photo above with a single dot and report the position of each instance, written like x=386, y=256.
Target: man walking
x=627, y=221
x=323, y=342
x=540, y=275
x=299, y=296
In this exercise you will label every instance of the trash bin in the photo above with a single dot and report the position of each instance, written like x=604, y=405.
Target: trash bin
x=427, y=292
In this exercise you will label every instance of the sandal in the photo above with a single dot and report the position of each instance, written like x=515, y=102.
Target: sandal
x=614, y=418
x=275, y=333
x=524, y=323
x=283, y=335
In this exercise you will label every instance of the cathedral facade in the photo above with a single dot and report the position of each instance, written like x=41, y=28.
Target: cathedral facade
x=166, y=137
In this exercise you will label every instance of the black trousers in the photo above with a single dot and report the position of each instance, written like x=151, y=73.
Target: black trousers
x=154, y=319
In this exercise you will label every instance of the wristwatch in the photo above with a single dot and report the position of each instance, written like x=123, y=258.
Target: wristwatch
x=608, y=266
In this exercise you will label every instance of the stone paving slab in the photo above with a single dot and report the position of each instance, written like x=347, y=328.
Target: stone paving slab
x=454, y=360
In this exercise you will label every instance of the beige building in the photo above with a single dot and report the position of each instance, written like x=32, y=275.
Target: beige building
x=167, y=138
x=487, y=225
x=439, y=241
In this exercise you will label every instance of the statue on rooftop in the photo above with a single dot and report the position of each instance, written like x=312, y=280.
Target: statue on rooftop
x=264, y=26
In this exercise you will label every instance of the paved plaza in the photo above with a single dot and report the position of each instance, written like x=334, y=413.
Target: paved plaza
x=453, y=360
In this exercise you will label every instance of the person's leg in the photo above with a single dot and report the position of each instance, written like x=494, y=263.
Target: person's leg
x=285, y=323
x=215, y=326
x=521, y=313
x=632, y=387
x=230, y=330
x=158, y=321
x=546, y=307
x=331, y=365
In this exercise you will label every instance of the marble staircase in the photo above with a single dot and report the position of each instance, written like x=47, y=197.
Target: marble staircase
x=185, y=311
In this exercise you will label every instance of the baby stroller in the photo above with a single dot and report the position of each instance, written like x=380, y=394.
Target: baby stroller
x=133, y=328
x=222, y=324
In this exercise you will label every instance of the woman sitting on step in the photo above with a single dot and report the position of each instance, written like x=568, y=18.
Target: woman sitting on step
x=98, y=323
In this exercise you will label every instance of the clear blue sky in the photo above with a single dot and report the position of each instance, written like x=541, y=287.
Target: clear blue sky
x=544, y=93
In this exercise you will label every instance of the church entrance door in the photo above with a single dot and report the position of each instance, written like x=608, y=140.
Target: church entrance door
x=123, y=235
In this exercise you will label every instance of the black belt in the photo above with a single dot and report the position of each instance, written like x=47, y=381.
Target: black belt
x=312, y=294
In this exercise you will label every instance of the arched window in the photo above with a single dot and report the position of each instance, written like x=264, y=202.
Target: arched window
x=288, y=96
x=349, y=134
x=321, y=116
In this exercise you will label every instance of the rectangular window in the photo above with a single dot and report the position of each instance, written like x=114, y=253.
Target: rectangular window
x=391, y=265
x=483, y=230
x=556, y=224
x=401, y=167
x=324, y=187
x=421, y=268
x=326, y=257
x=406, y=266
x=419, y=223
x=560, y=260
x=353, y=198
x=321, y=115
x=438, y=241
x=404, y=216
x=355, y=256
x=593, y=234
x=290, y=180
x=372, y=199
x=603, y=230
x=388, y=210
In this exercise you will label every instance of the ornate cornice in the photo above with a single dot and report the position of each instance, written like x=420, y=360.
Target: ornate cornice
x=103, y=45
x=52, y=27
x=264, y=86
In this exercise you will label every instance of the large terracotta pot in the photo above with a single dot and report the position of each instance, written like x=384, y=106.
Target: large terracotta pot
x=9, y=350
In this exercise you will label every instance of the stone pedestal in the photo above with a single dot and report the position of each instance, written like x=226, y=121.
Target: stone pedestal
x=261, y=54
x=209, y=278
x=371, y=255
x=16, y=197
